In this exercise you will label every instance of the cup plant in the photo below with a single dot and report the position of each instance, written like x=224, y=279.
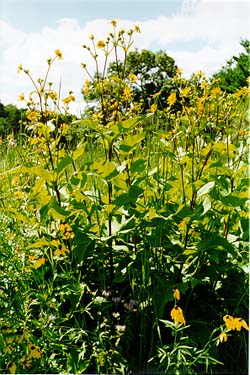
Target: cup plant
x=123, y=234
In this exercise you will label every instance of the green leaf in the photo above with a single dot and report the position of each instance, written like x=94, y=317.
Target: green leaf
x=63, y=164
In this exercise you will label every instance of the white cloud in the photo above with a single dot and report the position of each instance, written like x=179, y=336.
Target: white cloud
x=218, y=25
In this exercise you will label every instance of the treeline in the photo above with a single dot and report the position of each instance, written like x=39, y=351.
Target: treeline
x=155, y=71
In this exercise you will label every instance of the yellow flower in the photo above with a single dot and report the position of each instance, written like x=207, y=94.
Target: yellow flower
x=248, y=79
x=100, y=44
x=235, y=323
x=12, y=368
x=137, y=29
x=91, y=37
x=15, y=180
x=18, y=194
x=127, y=92
x=39, y=263
x=132, y=77
x=156, y=94
x=69, y=99
x=19, y=68
x=153, y=108
x=177, y=294
x=185, y=92
x=216, y=91
x=25, y=362
x=178, y=71
x=86, y=87
x=34, y=351
x=177, y=315
x=58, y=54
x=171, y=99
x=21, y=97
x=222, y=337
x=114, y=23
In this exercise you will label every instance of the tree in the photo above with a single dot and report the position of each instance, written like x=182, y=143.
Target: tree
x=233, y=76
x=132, y=82
x=154, y=72
x=10, y=117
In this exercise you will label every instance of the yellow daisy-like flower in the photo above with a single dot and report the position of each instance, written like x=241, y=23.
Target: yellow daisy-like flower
x=20, y=67
x=185, y=92
x=100, y=44
x=132, y=77
x=153, y=108
x=177, y=294
x=114, y=23
x=58, y=54
x=216, y=91
x=34, y=351
x=177, y=315
x=21, y=97
x=68, y=99
x=18, y=194
x=171, y=99
x=178, y=72
x=222, y=337
x=137, y=29
x=12, y=368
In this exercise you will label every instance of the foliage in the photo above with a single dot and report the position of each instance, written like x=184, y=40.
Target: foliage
x=144, y=220
x=10, y=119
x=233, y=76
x=144, y=74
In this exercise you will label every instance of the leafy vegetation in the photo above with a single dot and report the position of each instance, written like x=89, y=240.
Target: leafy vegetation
x=126, y=251
x=233, y=76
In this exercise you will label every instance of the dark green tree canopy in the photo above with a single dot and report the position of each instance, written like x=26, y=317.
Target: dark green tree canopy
x=234, y=74
x=154, y=72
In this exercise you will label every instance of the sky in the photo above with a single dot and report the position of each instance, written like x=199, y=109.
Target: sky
x=198, y=34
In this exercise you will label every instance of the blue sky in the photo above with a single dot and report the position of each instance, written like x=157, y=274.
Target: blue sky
x=32, y=15
x=198, y=34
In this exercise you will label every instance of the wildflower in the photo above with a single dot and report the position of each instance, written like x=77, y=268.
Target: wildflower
x=127, y=92
x=120, y=328
x=114, y=23
x=235, y=323
x=15, y=180
x=185, y=92
x=58, y=54
x=137, y=29
x=216, y=91
x=177, y=315
x=34, y=351
x=69, y=99
x=20, y=67
x=171, y=99
x=25, y=362
x=100, y=44
x=1, y=140
x=21, y=97
x=12, y=368
x=177, y=294
x=66, y=230
x=153, y=108
x=39, y=263
x=106, y=293
x=178, y=71
x=156, y=94
x=18, y=194
x=91, y=37
x=222, y=337
x=86, y=87
x=116, y=314
x=132, y=77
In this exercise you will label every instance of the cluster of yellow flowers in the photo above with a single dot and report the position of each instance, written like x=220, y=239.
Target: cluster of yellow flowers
x=177, y=313
x=67, y=231
x=235, y=323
